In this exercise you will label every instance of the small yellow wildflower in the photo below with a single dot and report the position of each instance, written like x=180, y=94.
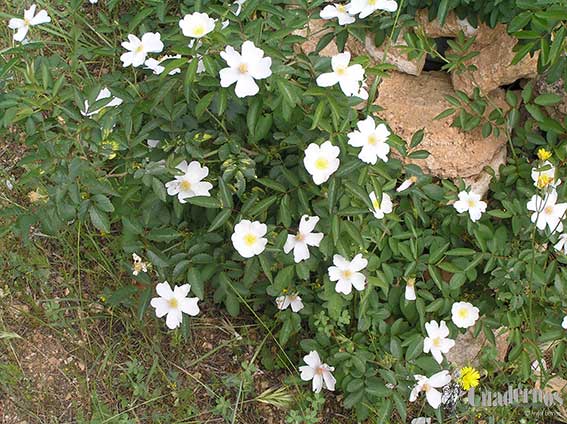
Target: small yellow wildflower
x=543, y=154
x=544, y=180
x=468, y=377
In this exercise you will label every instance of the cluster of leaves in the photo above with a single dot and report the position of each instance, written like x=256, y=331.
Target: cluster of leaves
x=99, y=173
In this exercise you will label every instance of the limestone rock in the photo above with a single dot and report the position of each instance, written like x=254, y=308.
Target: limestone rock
x=410, y=104
x=452, y=26
x=395, y=55
x=468, y=349
x=494, y=68
x=481, y=182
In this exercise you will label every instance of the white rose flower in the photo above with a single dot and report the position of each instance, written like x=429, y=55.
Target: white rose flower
x=436, y=340
x=157, y=68
x=471, y=203
x=139, y=49
x=321, y=161
x=348, y=77
x=293, y=300
x=318, y=372
x=174, y=303
x=22, y=26
x=152, y=144
x=248, y=238
x=243, y=69
x=547, y=212
x=379, y=209
x=430, y=386
x=372, y=138
x=190, y=183
x=410, y=289
x=239, y=4
x=339, y=11
x=366, y=7
x=545, y=177
x=347, y=274
x=304, y=238
x=103, y=94
x=464, y=314
x=561, y=244
x=196, y=25
x=406, y=184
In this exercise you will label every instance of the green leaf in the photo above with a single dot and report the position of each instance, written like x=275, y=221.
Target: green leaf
x=220, y=219
x=226, y=195
x=263, y=205
x=272, y=184
x=460, y=251
x=284, y=278
x=548, y=99
x=195, y=279
x=163, y=234
x=144, y=302
x=99, y=219
x=358, y=192
x=204, y=201
x=442, y=11
x=415, y=348
x=159, y=189
x=190, y=77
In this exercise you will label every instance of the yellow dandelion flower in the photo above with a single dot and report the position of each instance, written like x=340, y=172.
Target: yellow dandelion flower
x=468, y=377
x=543, y=154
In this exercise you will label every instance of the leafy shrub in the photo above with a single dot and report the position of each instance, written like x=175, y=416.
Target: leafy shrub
x=99, y=173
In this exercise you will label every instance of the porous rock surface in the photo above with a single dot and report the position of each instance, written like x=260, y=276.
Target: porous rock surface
x=494, y=63
x=411, y=103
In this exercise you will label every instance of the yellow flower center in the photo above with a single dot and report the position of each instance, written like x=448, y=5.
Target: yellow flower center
x=139, y=49
x=321, y=164
x=437, y=342
x=471, y=203
x=299, y=237
x=463, y=313
x=544, y=180
x=548, y=210
x=426, y=387
x=372, y=139
x=341, y=8
x=376, y=204
x=243, y=68
x=250, y=239
x=372, y=2
x=410, y=282
x=341, y=71
x=27, y=22
x=199, y=30
x=173, y=303
x=185, y=185
x=347, y=274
